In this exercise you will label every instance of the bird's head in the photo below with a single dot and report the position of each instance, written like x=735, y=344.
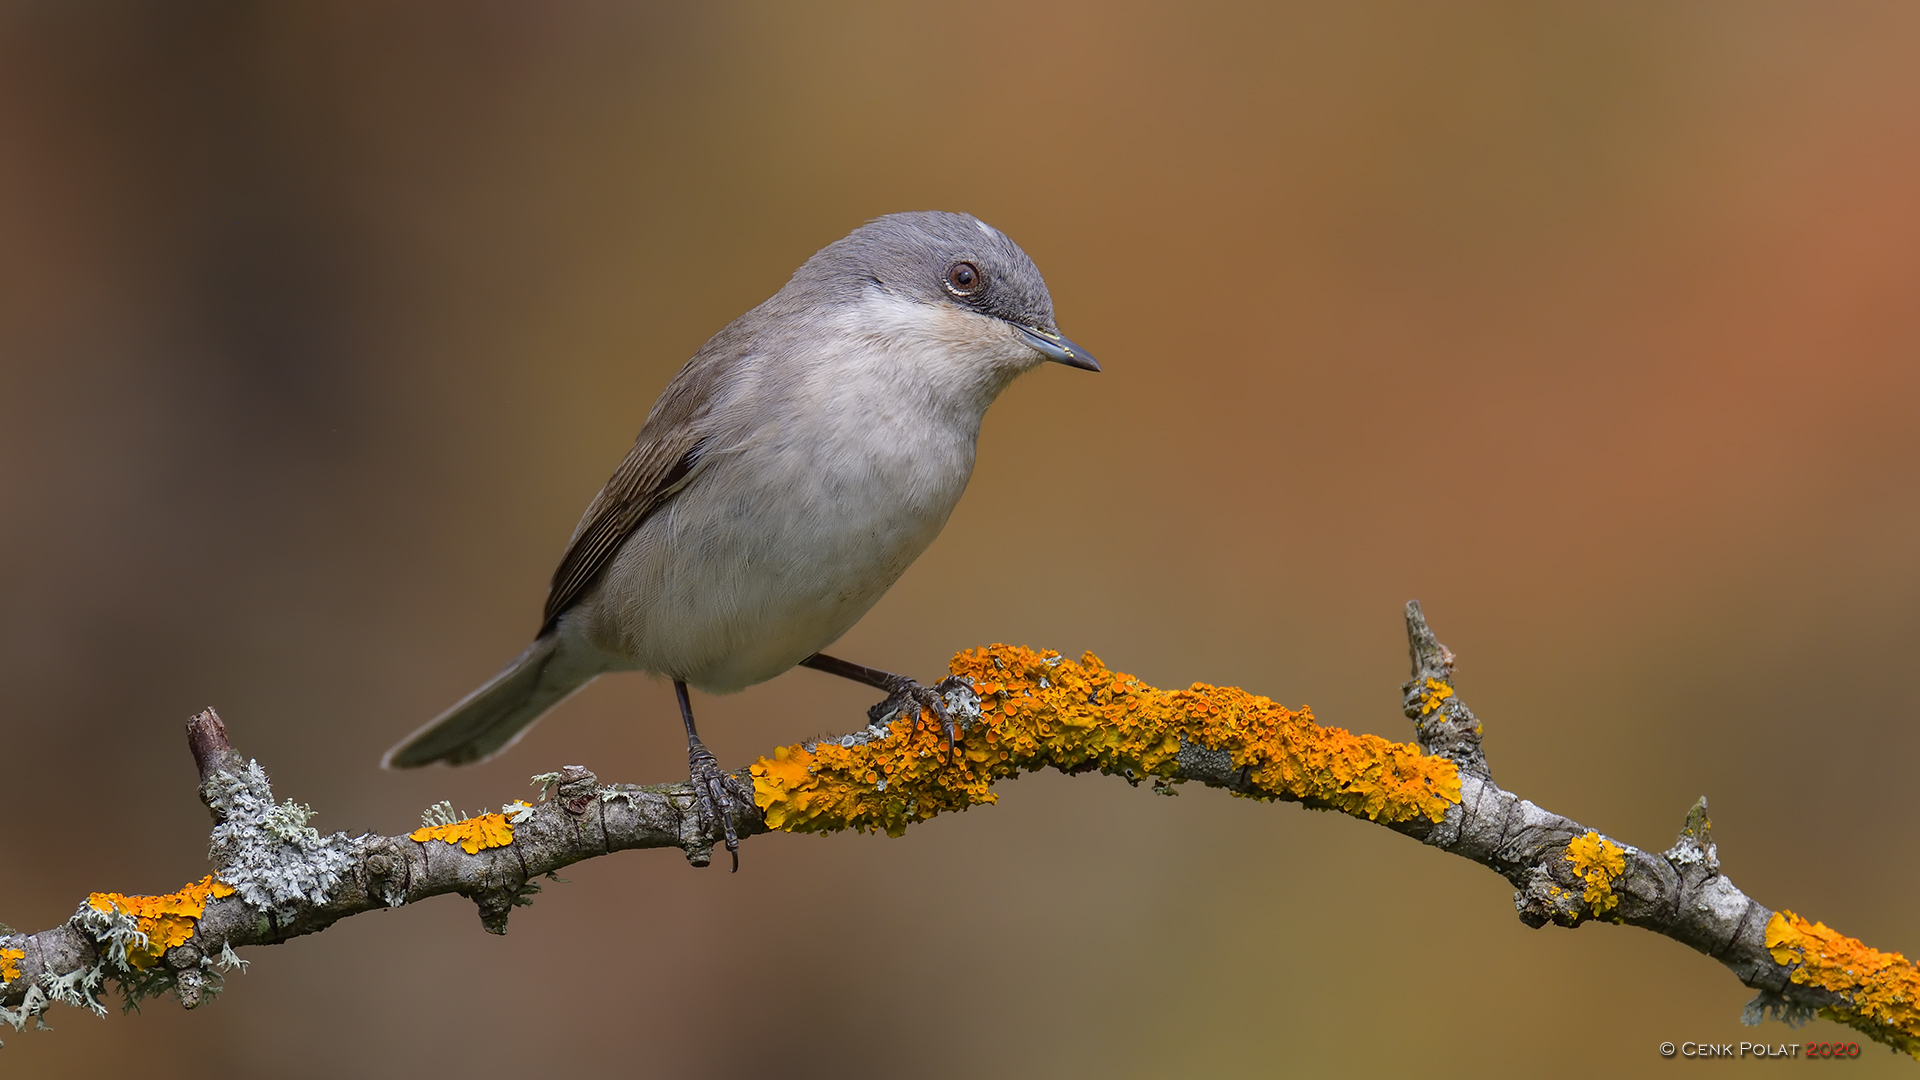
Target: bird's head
x=952, y=279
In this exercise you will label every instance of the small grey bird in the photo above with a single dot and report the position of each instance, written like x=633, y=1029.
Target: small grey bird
x=786, y=478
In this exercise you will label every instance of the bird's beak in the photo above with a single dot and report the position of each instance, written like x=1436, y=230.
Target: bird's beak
x=1054, y=346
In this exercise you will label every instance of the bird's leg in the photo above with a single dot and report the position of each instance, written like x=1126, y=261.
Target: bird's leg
x=712, y=786
x=900, y=691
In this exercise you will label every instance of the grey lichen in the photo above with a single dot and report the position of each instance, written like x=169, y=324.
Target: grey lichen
x=31, y=1008
x=78, y=988
x=961, y=701
x=266, y=850
x=1771, y=1006
x=544, y=781
x=441, y=813
x=137, y=985
x=113, y=931
x=228, y=960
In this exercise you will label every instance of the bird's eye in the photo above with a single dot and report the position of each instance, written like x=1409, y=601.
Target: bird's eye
x=964, y=279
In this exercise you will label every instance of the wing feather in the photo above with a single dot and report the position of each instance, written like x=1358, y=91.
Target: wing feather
x=662, y=462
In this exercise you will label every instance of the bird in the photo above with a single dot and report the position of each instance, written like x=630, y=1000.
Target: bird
x=784, y=480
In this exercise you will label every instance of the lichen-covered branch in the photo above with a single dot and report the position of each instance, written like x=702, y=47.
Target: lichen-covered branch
x=276, y=878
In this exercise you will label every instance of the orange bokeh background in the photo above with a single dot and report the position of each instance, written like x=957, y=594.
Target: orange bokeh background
x=1593, y=326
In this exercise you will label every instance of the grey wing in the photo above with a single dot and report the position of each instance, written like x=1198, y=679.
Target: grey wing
x=662, y=461
x=646, y=480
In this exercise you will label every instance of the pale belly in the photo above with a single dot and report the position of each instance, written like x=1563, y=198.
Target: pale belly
x=770, y=558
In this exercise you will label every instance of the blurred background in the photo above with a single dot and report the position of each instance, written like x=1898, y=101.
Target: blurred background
x=1592, y=326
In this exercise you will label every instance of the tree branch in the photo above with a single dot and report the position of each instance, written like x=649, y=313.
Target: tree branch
x=275, y=878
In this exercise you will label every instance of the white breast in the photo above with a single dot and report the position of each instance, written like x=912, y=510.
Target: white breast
x=844, y=464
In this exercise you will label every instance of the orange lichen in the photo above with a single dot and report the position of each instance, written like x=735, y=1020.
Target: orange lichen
x=165, y=920
x=1433, y=695
x=1038, y=710
x=474, y=835
x=1599, y=862
x=1880, y=991
x=10, y=964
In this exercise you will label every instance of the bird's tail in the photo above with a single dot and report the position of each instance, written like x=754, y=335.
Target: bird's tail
x=493, y=717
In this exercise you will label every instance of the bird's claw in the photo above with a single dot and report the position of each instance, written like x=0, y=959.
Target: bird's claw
x=908, y=693
x=715, y=791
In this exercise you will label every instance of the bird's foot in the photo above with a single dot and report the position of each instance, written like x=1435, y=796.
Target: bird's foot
x=908, y=697
x=715, y=793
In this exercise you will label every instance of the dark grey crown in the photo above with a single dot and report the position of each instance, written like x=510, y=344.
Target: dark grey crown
x=911, y=255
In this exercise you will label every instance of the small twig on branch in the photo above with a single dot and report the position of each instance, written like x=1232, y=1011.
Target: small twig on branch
x=275, y=878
